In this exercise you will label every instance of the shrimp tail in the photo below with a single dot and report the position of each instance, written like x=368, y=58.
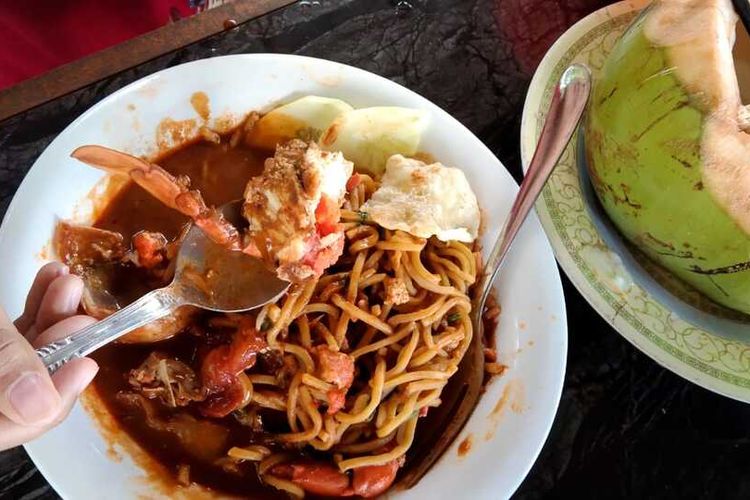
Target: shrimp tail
x=172, y=191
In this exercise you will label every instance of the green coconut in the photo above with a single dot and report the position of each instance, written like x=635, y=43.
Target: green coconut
x=667, y=149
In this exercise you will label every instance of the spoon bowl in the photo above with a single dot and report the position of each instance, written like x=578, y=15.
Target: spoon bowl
x=207, y=275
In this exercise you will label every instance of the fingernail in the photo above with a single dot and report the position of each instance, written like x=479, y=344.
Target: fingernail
x=87, y=382
x=33, y=399
x=74, y=297
x=63, y=270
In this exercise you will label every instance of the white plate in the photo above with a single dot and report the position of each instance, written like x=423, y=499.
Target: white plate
x=74, y=457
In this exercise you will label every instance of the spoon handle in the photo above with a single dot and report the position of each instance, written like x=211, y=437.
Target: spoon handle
x=566, y=108
x=150, y=307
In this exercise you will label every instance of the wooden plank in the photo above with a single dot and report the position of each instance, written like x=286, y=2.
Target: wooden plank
x=92, y=68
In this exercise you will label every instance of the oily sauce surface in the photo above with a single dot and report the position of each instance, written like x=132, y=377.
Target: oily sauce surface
x=220, y=173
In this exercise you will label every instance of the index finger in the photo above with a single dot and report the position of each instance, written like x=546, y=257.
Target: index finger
x=44, y=277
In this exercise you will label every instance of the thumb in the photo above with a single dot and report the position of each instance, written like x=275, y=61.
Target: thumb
x=27, y=394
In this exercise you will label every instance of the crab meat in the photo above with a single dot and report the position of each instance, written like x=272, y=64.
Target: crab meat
x=293, y=209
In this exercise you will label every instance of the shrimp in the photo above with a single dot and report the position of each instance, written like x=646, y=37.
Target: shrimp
x=173, y=191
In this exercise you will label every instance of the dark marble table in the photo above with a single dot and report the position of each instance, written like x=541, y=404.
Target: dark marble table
x=626, y=428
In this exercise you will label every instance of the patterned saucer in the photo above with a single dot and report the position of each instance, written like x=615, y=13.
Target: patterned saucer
x=672, y=335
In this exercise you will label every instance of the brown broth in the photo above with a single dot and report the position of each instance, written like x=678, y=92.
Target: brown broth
x=220, y=173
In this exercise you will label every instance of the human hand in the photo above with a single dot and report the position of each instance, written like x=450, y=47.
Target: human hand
x=32, y=402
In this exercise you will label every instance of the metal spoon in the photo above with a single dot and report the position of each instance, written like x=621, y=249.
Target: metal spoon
x=207, y=275
x=461, y=395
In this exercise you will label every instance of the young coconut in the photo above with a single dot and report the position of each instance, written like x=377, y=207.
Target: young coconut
x=667, y=147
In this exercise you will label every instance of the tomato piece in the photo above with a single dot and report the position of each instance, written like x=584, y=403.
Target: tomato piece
x=327, y=215
x=336, y=368
x=318, y=478
x=223, y=364
x=221, y=404
x=374, y=480
x=336, y=401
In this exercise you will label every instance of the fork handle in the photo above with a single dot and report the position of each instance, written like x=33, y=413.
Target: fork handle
x=150, y=307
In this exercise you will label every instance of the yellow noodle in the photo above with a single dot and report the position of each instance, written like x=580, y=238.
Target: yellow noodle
x=315, y=382
x=375, y=346
x=284, y=485
x=274, y=312
x=327, y=336
x=404, y=356
x=309, y=407
x=261, y=318
x=452, y=268
x=340, y=333
x=423, y=385
x=429, y=399
x=377, y=392
x=354, y=200
x=373, y=259
x=417, y=315
x=402, y=246
x=457, y=302
x=284, y=317
x=366, y=273
x=373, y=279
x=321, y=308
x=303, y=325
x=327, y=279
x=366, y=237
x=425, y=279
x=380, y=417
x=405, y=439
x=255, y=453
x=412, y=376
x=402, y=273
x=262, y=379
x=359, y=264
x=366, y=446
x=291, y=403
x=463, y=253
x=449, y=338
x=304, y=298
x=392, y=424
x=357, y=313
x=335, y=287
x=268, y=399
x=301, y=354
